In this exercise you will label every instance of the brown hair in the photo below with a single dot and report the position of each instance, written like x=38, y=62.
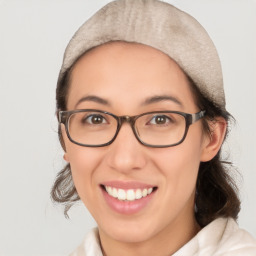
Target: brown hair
x=216, y=192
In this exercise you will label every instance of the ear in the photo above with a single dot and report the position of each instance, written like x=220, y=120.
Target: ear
x=213, y=141
x=65, y=157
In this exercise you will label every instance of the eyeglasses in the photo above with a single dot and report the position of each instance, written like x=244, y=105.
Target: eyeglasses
x=96, y=128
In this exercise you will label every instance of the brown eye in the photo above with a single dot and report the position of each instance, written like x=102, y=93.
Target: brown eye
x=94, y=119
x=97, y=119
x=160, y=120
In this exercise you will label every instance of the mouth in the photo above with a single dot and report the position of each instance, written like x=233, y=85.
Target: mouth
x=128, y=194
x=128, y=197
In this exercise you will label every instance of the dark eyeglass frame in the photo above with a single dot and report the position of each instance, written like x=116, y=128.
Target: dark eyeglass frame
x=63, y=117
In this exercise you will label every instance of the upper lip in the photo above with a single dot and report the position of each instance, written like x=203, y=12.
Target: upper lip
x=127, y=184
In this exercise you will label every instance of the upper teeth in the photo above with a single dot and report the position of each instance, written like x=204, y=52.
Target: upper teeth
x=129, y=194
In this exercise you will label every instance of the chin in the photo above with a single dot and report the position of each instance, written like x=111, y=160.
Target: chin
x=130, y=237
x=130, y=232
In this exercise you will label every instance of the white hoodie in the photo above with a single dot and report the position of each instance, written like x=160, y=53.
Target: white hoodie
x=222, y=237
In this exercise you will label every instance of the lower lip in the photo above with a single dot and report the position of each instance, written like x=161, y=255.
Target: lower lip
x=127, y=207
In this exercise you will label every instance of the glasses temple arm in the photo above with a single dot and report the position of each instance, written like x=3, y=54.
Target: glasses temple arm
x=197, y=116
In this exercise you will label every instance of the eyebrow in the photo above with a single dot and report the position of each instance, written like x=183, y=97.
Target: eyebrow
x=93, y=98
x=148, y=101
x=159, y=98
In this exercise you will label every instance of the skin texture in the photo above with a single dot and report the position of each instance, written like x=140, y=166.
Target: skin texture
x=126, y=75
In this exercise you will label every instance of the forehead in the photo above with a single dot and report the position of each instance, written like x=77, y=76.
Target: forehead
x=130, y=50
x=126, y=71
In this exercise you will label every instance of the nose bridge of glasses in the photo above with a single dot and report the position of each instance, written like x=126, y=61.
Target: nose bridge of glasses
x=126, y=119
x=130, y=120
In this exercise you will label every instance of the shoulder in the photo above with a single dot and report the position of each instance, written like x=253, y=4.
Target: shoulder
x=90, y=246
x=236, y=241
x=222, y=237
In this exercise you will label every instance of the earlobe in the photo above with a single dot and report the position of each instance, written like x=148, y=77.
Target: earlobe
x=65, y=157
x=215, y=139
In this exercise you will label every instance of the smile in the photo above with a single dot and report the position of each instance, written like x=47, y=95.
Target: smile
x=129, y=194
x=128, y=197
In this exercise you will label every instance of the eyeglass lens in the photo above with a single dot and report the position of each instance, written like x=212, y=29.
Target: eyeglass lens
x=96, y=128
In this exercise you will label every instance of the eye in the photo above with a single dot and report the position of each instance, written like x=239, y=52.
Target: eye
x=94, y=119
x=160, y=120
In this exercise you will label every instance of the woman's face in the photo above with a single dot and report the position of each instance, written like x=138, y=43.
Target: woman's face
x=122, y=78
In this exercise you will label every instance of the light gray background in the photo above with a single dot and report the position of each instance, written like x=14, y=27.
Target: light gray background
x=33, y=35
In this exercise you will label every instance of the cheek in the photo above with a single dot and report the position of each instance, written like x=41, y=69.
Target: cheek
x=179, y=166
x=83, y=162
x=82, y=159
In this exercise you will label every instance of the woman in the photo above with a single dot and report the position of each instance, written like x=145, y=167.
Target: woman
x=142, y=117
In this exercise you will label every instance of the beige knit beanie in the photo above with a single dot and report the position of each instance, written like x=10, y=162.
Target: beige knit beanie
x=159, y=25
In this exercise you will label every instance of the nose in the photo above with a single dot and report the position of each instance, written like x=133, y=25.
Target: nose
x=126, y=154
